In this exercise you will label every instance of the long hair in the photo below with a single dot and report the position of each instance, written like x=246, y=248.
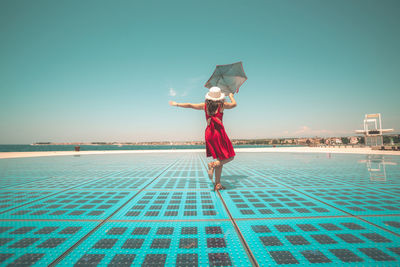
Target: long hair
x=212, y=106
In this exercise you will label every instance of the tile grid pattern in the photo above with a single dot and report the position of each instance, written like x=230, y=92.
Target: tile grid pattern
x=293, y=210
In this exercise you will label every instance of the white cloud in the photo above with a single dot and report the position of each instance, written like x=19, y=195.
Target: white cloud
x=172, y=92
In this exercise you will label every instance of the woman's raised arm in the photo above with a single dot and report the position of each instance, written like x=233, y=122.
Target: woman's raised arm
x=187, y=105
x=232, y=104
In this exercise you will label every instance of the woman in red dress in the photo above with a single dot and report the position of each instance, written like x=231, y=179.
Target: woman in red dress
x=218, y=144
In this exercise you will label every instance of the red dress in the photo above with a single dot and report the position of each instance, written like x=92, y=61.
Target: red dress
x=218, y=144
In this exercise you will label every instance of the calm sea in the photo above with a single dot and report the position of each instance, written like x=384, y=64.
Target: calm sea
x=27, y=148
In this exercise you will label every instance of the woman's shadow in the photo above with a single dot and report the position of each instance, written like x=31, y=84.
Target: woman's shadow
x=233, y=181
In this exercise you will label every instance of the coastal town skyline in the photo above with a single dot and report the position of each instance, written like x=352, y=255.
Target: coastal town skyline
x=107, y=72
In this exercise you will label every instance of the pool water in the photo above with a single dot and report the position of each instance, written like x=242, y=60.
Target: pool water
x=159, y=209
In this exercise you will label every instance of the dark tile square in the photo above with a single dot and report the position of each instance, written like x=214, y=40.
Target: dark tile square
x=95, y=212
x=122, y=260
x=307, y=227
x=219, y=259
x=133, y=243
x=297, y=240
x=76, y=212
x=187, y=260
x=22, y=230
x=324, y=239
x=349, y=238
x=284, y=211
x=40, y=212
x=141, y=231
x=346, y=255
x=171, y=213
x=190, y=213
x=70, y=230
x=132, y=213
x=4, y=229
x=246, y=212
x=46, y=230
x=260, y=229
x=188, y=243
x=315, y=256
x=89, y=260
x=26, y=260
x=374, y=237
x=23, y=243
x=105, y=243
x=161, y=243
x=216, y=243
x=395, y=250
x=330, y=226
x=392, y=223
x=283, y=257
x=4, y=257
x=320, y=210
x=376, y=254
x=52, y=242
x=117, y=231
x=209, y=212
x=211, y=230
x=353, y=226
x=302, y=210
x=152, y=213
x=270, y=241
x=284, y=228
x=165, y=231
x=265, y=211
x=5, y=241
x=154, y=260
x=189, y=230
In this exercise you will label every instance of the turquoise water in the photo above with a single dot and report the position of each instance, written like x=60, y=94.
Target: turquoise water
x=28, y=148
x=278, y=209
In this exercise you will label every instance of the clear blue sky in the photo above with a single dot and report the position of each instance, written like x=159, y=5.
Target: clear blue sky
x=103, y=70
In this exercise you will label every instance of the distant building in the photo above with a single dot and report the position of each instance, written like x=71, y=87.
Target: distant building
x=353, y=140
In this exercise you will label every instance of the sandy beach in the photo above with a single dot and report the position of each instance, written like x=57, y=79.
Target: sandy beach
x=348, y=150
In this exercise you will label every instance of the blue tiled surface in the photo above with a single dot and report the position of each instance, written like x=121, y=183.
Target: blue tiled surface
x=170, y=243
x=158, y=205
x=13, y=198
x=292, y=209
x=82, y=205
x=358, y=200
x=334, y=241
x=391, y=223
x=275, y=203
x=23, y=243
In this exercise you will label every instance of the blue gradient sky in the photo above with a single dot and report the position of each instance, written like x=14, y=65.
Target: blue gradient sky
x=103, y=70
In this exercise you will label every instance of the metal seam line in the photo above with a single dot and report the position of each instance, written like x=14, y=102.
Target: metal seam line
x=65, y=253
x=241, y=237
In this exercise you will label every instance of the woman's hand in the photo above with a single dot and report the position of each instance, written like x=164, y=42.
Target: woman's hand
x=230, y=94
x=173, y=103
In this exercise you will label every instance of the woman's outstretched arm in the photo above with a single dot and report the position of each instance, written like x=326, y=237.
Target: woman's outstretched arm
x=187, y=105
x=232, y=104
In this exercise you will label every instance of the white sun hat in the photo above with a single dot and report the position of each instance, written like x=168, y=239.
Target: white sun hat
x=215, y=94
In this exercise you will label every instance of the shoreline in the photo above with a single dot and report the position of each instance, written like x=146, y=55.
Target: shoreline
x=5, y=155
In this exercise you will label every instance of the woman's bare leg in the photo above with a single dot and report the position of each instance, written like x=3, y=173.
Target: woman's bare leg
x=218, y=170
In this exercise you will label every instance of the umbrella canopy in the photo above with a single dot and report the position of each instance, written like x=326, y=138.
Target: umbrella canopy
x=227, y=77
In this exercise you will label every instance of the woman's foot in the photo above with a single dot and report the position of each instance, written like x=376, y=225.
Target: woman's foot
x=218, y=187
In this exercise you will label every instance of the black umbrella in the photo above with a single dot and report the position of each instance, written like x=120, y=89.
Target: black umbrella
x=227, y=77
